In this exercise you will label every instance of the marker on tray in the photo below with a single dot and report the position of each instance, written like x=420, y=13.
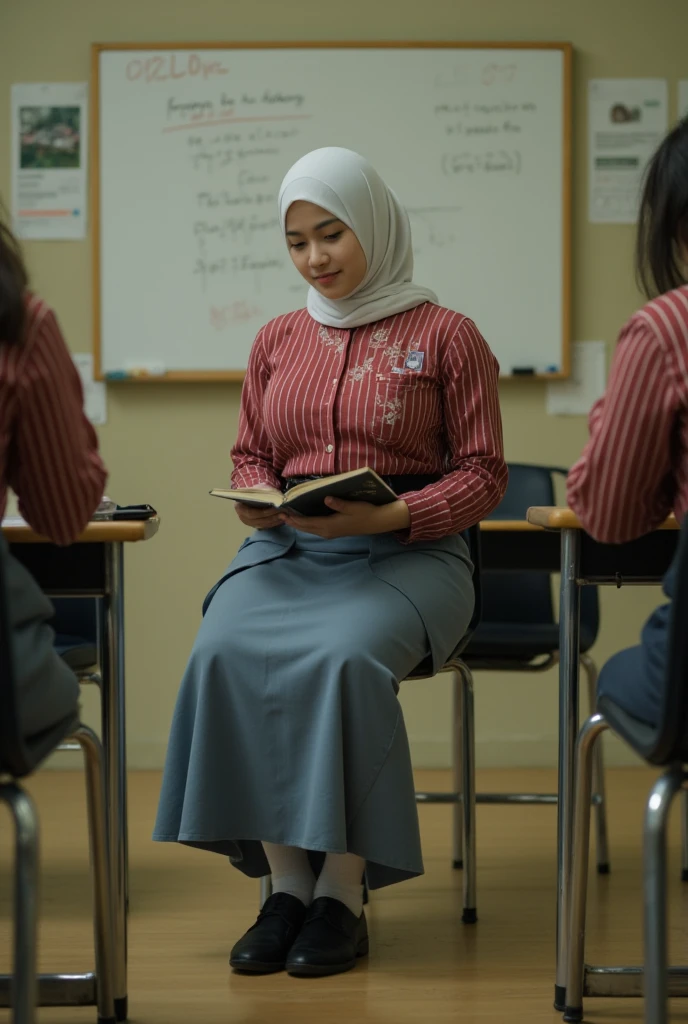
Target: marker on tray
x=523, y=371
x=131, y=372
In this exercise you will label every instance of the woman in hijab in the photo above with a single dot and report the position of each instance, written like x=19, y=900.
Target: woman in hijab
x=288, y=750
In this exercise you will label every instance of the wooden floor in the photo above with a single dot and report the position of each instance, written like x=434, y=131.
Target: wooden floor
x=425, y=966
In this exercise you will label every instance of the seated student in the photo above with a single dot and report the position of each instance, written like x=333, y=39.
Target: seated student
x=634, y=469
x=49, y=457
x=288, y=738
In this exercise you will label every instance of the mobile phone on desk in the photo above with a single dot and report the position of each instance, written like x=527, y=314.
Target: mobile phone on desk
x=133, y=512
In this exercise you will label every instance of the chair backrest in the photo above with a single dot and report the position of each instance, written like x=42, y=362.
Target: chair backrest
x=520, y=597
x=526, y=597
x=14, y=758
x=670, y=740
x=76, y=617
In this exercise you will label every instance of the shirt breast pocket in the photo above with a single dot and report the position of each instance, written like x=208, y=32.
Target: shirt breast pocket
x=402, y=406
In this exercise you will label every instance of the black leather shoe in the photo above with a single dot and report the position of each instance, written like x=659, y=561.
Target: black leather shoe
x=330, y=941
x=264, y=947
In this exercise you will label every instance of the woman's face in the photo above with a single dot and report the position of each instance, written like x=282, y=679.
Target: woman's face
x=324, y=250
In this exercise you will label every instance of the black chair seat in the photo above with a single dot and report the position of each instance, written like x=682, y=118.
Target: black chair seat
x=520, y=641
x=76, y=651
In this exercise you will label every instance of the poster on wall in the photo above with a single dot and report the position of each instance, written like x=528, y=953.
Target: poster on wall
x=49, y=159
x=627, y=119
x=683, y=98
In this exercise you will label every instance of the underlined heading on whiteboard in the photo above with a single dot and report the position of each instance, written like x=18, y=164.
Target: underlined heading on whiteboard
x=234, y=120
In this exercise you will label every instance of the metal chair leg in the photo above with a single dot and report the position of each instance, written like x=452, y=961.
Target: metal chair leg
x=470, y=913
x=599, y=788
x=577, y=884
x=113, y=719
x=655, y=890
x=265, y=889
x=684, y=836
x=25, y=980
x=457, y=727
x=103, y=894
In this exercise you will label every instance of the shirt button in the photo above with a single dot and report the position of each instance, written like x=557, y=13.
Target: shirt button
x=334, y=380
x=330, y=448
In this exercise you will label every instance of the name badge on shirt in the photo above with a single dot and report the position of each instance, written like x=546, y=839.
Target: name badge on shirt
x=414, y=361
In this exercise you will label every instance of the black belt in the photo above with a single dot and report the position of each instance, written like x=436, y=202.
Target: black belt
x=399, y=484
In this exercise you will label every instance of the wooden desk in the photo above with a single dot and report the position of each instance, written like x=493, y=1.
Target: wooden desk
x=584, y=561
x=555, y=517
x=93, y=567
x=104, y=532
x=509, y=526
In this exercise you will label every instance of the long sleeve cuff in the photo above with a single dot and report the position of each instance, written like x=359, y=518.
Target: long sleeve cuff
x=252, y=476
x=430, y=516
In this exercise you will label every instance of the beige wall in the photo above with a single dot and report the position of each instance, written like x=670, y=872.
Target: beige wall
x=167, y=444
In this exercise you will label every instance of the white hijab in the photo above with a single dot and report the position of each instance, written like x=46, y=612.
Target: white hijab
x=347, y=186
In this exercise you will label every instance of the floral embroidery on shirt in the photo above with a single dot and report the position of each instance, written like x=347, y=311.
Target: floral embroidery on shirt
x=357, y=373
x=380, y=336
x=392, y=408
x=394, y=352
x=332, y=339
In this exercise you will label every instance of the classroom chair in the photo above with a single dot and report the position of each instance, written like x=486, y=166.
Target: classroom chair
x=518, y=632
x=19, y=757
x=463, y=732
x=666, y=746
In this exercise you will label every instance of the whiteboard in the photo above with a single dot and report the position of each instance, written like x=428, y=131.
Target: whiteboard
x=191, y=147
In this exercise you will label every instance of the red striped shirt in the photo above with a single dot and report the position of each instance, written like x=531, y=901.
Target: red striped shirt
x=634, y=469
x=413, y=393
x=48, y=449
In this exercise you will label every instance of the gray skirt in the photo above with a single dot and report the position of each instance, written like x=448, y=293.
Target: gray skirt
x=287, y=727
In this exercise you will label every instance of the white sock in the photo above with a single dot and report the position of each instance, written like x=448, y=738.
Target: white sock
x=291, y=871
x=342, y=879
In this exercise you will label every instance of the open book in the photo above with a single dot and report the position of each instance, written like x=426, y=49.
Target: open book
x=308, y=499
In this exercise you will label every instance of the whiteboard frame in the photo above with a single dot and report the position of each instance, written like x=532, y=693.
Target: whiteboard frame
x=195, y=376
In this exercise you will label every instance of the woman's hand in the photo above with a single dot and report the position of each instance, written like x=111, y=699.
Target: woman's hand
x=260, y=518
x=352, y=519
